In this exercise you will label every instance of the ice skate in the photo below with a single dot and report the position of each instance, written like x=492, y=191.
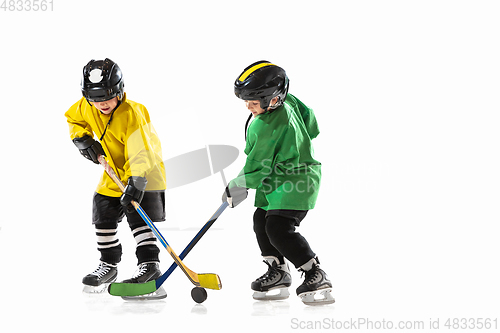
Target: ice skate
x=99, y=280
x=146, y=272
x=273, y=285
x=316, y=283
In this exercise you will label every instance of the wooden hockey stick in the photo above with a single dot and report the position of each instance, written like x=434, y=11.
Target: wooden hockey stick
x=208, y=280
x=137, y=289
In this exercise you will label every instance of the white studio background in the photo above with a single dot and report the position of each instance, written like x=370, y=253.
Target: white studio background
x=407, y=97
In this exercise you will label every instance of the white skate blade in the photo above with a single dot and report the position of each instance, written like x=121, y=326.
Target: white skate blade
x=158, y=294
x=271, y=295
x=309, y=298
x=102, y=289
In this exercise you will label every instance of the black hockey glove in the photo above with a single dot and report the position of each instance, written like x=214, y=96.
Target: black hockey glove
x=133, y=191
x=234, y=196
x=89, y=148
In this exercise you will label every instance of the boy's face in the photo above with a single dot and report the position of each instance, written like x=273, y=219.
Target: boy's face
x=254, y=107
x=108, y=106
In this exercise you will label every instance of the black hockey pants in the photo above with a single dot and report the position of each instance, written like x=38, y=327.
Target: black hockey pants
x=108, y=212
x=276, y=235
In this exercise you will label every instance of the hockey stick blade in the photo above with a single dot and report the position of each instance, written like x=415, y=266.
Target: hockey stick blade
x=132, y=289
x=137, y=289
x=209, y=280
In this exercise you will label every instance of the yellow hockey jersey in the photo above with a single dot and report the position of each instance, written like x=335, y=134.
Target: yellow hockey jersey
x=130, y=142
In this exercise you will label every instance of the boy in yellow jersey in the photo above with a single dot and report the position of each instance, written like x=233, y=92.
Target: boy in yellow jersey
x=133, y=150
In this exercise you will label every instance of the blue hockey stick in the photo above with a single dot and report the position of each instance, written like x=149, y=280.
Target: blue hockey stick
x=137, y=289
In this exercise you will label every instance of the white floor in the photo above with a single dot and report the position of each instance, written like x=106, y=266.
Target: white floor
x=34, y=300
x=376, y=282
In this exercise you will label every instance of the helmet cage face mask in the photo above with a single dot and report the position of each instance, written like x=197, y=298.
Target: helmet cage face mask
x=262, y=81
x=104, y=84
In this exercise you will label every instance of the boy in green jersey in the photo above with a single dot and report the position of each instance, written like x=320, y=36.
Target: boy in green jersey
x=281, y=167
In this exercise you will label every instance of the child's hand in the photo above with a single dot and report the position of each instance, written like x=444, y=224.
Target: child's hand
x=234, y=196
x=89, y=148
x=134, y=190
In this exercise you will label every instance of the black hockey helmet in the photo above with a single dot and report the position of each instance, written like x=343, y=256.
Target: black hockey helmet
x=262, y=81
x=102, y=80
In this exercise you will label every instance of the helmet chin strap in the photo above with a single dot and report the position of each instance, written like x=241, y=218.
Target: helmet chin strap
x=110, y=118
x=246, y=125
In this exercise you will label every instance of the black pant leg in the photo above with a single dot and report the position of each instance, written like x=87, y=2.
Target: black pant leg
x=281, y=233
x=153, y=204
x=259, y=227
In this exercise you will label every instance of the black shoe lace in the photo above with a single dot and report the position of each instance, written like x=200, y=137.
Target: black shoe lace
x=143, y=268
x=270, y=274
x=310, y=275
x=102, y=270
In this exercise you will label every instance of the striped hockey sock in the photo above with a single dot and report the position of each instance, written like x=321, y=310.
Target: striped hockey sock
x=144, y=236
x=146, y=249
x=109, y=245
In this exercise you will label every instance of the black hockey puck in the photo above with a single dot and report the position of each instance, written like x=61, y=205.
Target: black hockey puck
x=199, y=294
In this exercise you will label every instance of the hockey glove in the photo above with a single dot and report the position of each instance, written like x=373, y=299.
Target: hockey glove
x=234, y=196
x=133, y=191
x=89, y=148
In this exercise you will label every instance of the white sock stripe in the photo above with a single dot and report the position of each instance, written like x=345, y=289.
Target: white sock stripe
x=143, y=236
x=106, y=231
x=107, y=246
x=147, y=243
x=146, y=240
x=136, y=230
x=106, y=239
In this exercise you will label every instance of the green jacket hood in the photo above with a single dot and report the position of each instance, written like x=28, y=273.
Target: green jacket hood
x=304, y=112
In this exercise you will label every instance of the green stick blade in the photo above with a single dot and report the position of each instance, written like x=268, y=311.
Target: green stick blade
x=132, y=289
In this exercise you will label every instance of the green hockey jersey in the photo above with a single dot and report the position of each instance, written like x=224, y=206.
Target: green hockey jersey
x=280, y=163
